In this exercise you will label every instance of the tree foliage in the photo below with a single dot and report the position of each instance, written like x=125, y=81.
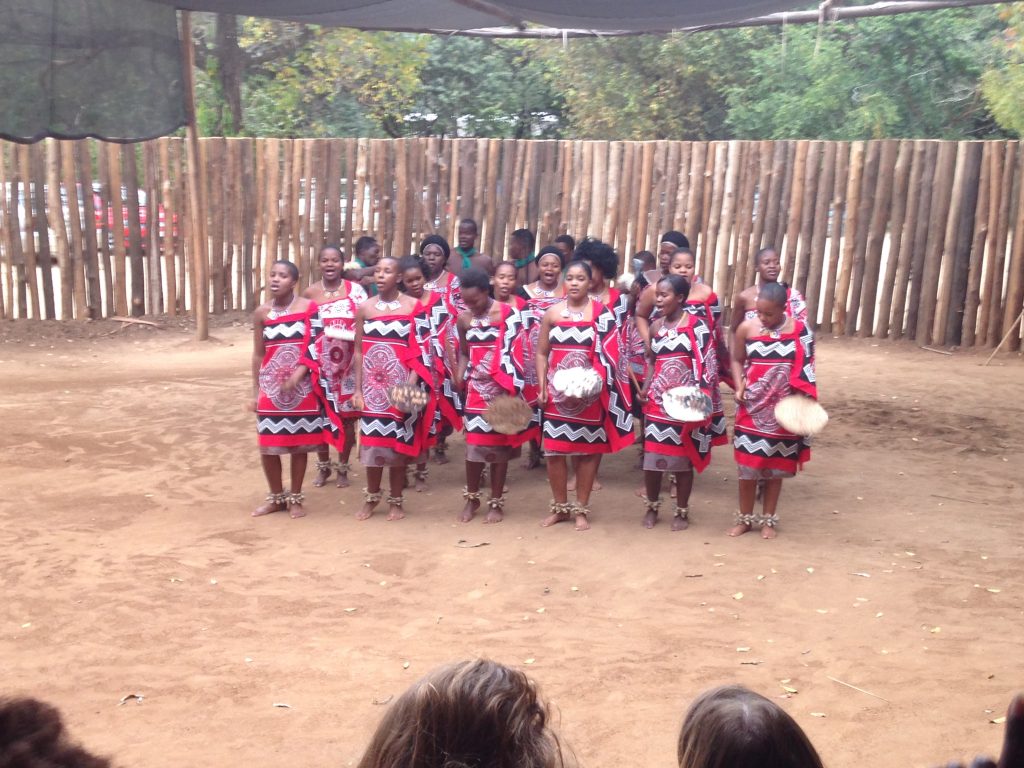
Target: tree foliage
x=911, y=76
x=1003, y=84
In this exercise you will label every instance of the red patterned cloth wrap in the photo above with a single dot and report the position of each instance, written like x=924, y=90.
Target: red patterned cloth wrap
x=434, y=323
x=775, y=368
x=532, y=313
x=391, y=352
x=598, y=424
x=289, y=422
x=718, y=362
x=495, y=368
x=682, y=358
x=337, y=357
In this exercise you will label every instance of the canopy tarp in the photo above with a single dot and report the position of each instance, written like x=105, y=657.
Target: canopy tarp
x=463, y=15
x=113, y=69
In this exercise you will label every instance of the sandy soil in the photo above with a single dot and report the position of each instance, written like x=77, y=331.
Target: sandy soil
x=129, y=564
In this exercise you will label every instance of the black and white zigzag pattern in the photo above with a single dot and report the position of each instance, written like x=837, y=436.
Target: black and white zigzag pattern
x=663, y=433
x=783, y=349
x=387, y=428
x=574, y=433
x=578, y=335
x=395, y=329
x=476, y=423
x=767, y=447
x=289, y=425
x=285, y=331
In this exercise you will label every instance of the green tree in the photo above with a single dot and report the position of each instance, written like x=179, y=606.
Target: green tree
x=482, y=87
x=913, y=76
x=653, y=86
x=1002, y=85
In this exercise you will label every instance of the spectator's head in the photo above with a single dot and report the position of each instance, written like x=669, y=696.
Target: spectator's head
x=470, y=714
x=32, y=735
x=367, y=250
x=732, y=727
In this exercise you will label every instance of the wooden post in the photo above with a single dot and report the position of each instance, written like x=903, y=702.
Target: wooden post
x=819, y=233
x=915, y=295
x=770, y=207
x=7, y=310
x=995, y=176
x=154, y=287
x=897, y=325
x=709, y=256
x=59, y=227
x=788, y=252
x=942, y=189
x=835, y=241
x=732, y=174
x=850, y=229
x=976, y=267
x=901, y=179
x=812, y=174
x=42, y=227
x=170, y=225
x=197, y=205
x=130, y=172
x=967, y=195
x=695, y=199
x=864, y=215
x=876, y=236
x=995, y=323
x=1015, y=273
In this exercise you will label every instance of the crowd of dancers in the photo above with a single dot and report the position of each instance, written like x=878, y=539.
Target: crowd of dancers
x=546, y=351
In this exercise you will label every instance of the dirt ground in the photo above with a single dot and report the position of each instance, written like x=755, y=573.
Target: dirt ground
x=130, y=565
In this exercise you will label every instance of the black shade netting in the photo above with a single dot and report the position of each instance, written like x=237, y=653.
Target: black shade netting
x=75, y=68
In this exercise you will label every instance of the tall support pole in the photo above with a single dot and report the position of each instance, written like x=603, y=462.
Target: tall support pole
x=196, y=193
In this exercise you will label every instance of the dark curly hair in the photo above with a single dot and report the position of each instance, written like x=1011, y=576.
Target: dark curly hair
x=600, y=255
x=32, y=736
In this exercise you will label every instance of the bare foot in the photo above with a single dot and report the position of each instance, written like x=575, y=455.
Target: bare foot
x=421, y=485
x=555, y=517
x=323, y=473
x=342, y=481
x=739, y=529
x=582, y=523
x=650, y=518
x=641, y=492
x=271, y=506
x=597, y=485
x=680, y=523
x=440, y=455
x=395, y=511
x=494, y=515
x=469, y=511
x=295, y=510
x=768, y=532
x=368, y=506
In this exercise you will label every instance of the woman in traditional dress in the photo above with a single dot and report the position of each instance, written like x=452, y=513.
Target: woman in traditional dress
x=388, y=355
x=539, y=296
x=773, y=357
x=337, y=299
x=680, y=342
x=703, y=302
x=435, y=252
x=503, y=286
x=490, y=364
x=433, y=321
x=604, y=264
x=288, y=411
x=580, y=333
x=768, y=267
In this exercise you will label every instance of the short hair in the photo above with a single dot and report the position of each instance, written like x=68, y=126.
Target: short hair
x=553, y=251
x=773, y=292
x=680, y=285
x=732, y=727
x=677, y=238
x=584, y=265
x=332, y=247
x=32, y=734
x=474, y=277
x=365, y=243
x=508, y=264
x=646, y=257
x=471, y=714
x=412, y=262
x=525, y=237
x=436, y=240
x=567, y=240
x=469, y=223
x=762, y=252
x=600, y=254
x=292, y=269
